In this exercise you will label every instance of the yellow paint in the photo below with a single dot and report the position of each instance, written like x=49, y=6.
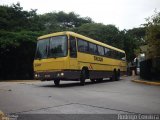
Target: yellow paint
x=147, y=82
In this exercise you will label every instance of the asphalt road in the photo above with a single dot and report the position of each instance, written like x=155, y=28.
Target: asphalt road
x=107, y=97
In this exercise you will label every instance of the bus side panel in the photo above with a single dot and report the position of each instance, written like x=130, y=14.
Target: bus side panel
x=103, y=63
x=102, y=68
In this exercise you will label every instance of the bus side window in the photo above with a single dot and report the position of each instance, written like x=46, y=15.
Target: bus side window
x=83, y=46
x=73, y=49
x=93, y=48
x=100, y=50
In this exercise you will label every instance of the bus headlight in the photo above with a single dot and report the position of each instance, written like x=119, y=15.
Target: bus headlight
x=36, y=75
x=58, y=75
x=62, y=74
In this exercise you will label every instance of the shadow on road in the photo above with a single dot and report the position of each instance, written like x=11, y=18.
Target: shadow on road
x=63, y=85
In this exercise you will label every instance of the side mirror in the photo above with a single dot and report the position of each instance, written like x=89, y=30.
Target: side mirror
x=123, y=58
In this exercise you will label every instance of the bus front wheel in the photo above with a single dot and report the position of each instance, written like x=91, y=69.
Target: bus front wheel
x=93, y=80
x=83, y=76
x=114, y=76
x=56, y=82
x=118, y=74
x=99, y=80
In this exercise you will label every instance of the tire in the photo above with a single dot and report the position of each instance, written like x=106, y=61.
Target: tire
x=56, y=82
x=118, y=74
x=93, y=80
x=99, y=80
x=114, y=75
x=83, y=76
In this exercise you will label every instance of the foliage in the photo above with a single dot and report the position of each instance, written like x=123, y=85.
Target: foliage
x=17, y=53
x=18, y=34
x=137, y=39
x=153, y=35
x=61, y=21
x=103, y=33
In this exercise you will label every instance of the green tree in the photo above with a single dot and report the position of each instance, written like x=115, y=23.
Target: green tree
x=153, y=36
x=14, y=18
x=100, y=32
x=61, y=21
x=18, y=34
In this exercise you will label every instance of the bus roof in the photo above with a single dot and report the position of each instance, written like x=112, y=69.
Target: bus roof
x=82, y=37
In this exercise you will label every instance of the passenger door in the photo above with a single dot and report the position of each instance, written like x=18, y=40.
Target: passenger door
x=73, y=53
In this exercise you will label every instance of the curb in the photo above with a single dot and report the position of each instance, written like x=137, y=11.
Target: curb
x=146, y=82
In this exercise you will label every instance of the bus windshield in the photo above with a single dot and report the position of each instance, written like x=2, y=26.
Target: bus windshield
x=51, y=47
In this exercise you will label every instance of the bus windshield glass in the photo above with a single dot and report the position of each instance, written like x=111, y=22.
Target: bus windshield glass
x=51, y=47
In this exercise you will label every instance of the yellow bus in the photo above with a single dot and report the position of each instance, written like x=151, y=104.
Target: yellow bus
x=71, y=56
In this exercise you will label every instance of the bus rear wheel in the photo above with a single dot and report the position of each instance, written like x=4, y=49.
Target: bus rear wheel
x=56, y=82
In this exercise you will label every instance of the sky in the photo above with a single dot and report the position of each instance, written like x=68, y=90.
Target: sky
x=124, y=14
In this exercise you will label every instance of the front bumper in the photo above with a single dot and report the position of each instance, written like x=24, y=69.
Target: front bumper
x=61, y=75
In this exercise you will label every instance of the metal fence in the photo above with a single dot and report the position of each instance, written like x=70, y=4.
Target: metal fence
x=150, y=69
